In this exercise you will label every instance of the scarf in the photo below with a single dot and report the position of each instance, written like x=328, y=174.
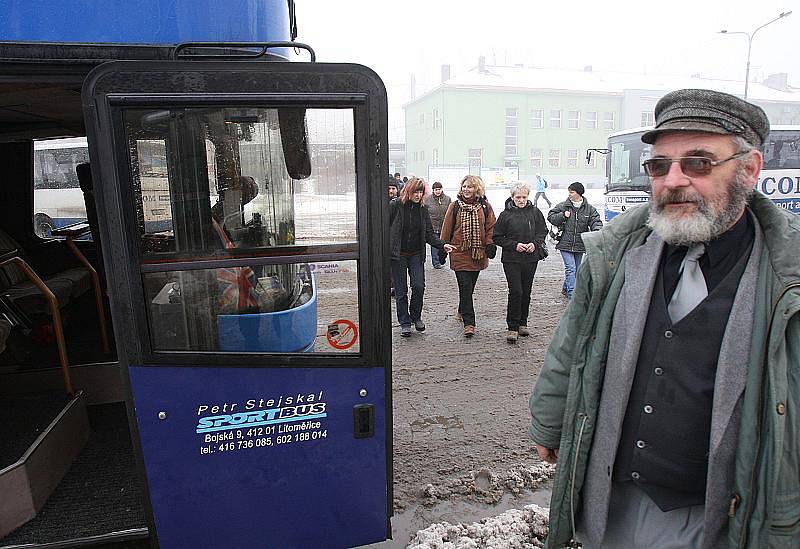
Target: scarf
x=472, y=237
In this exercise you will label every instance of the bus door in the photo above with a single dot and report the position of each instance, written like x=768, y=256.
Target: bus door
x=242, y=204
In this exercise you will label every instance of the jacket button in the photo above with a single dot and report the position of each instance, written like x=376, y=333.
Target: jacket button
x=668, y=334
x=781, y=408
x=658, y=371
x=640, y=444
x=635, y=475
x=648, y=409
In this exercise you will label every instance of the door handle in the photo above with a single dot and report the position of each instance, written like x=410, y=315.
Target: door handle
x=363, y=420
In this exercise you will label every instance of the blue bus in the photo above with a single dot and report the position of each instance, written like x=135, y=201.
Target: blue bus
x=180, y=167
x=627, y=185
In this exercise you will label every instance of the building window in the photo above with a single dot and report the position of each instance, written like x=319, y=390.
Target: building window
x=511, y=164
x=422, y=156
x=511, y=132
x=648, y=119
x=572, y=158
x=435, y=157
x=573, y=120
x=537, y=119
x=511, y=117
x=437, y=120
x=555, y=118
x=474, y=160
x=590, y=121
x=555, y=158
x=536, y=158
x=608, y=120
x=415, y=155
x=422, y=119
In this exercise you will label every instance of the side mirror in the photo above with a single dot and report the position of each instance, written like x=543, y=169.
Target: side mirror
x=294, y=140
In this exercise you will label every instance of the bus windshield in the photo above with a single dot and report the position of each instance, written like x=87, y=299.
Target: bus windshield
x=625, y=171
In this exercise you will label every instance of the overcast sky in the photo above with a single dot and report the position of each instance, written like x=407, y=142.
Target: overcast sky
x=681, y=37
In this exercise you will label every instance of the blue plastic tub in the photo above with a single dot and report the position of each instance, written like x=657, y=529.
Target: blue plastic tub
x=290, y=331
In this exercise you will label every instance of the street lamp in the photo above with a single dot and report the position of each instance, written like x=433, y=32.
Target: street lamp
x=750, y=37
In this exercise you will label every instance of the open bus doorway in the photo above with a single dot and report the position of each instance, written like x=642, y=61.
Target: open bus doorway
x=195, y=201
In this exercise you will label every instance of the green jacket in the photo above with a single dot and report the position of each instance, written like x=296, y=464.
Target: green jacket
x=765, y=500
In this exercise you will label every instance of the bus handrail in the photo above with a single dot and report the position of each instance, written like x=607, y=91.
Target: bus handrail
x=55, y=312
x=177, y=53
x=98, y=293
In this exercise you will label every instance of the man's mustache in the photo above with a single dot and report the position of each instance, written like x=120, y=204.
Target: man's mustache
x=678, y=197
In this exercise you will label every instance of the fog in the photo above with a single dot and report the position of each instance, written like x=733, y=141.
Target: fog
x=680, y=37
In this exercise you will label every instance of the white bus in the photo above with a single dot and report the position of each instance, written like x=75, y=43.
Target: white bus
x=627, y=185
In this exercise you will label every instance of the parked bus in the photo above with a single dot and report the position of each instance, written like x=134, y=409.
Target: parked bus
x=627, y=184
x=240, y=395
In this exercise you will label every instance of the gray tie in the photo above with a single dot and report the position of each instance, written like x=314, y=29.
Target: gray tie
x=691, y=288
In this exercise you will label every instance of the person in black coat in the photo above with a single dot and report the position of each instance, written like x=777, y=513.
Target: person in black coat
x=572, y=217
x=410, y=229
x=520, y=231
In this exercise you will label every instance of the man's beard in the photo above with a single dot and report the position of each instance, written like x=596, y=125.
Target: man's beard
x=711, y=219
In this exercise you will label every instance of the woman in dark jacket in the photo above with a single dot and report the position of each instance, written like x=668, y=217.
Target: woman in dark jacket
x=572, y=217
x=520, y=231
x=410, y=229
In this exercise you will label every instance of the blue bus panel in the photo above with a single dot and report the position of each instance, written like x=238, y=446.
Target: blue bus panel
x=262, y=457
x=145, y=21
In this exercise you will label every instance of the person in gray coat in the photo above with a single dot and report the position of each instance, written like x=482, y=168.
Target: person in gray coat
x=437, y=204
x=572, y=217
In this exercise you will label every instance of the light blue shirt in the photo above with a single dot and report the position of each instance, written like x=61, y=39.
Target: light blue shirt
x=540, y=185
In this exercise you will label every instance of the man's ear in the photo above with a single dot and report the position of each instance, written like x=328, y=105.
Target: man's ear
x=753, y=165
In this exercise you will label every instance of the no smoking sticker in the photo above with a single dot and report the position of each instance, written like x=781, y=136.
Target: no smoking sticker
x=342, y=334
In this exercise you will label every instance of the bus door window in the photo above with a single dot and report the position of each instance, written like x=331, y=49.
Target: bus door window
x=284, y=250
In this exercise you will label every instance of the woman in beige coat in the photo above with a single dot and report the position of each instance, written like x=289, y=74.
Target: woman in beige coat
x=468, y=225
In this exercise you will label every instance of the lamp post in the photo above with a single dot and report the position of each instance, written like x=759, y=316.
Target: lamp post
x=750, y=37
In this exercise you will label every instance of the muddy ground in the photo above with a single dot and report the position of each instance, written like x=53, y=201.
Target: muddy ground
x=461, y=443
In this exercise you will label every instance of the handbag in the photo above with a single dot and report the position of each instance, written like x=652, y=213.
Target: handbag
x=541, y=251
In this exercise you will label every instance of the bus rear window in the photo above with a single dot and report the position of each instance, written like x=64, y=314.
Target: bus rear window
x=57, y=196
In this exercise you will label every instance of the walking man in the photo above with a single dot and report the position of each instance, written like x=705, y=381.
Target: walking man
x=437, y=204
x=670, y=391
x=541, y=185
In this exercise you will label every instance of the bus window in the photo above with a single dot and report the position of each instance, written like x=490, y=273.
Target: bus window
x=216, y=184
x=244, y=145
x=782, y=150
x=625, y=166
x=57, y=196
x=253, y=309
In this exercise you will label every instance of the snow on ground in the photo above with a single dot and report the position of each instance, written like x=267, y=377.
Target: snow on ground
x=524, y=528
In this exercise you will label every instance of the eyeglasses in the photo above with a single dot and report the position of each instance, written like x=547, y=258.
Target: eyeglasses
x=693, y=166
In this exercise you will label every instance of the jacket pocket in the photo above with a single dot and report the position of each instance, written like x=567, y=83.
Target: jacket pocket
x=784, y=528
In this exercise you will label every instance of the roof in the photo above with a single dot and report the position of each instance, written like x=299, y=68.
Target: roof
x=600, y=82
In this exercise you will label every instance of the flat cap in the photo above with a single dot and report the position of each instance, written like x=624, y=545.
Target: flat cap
x=709, y=111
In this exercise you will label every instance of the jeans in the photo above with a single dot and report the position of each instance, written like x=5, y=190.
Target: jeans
x=520, y=280
x=413, y=265
x=572, y=260
x=435, y=253
x=536, y=199
x=466, y=286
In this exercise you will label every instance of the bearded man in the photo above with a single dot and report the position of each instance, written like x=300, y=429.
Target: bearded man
x=670, y=392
